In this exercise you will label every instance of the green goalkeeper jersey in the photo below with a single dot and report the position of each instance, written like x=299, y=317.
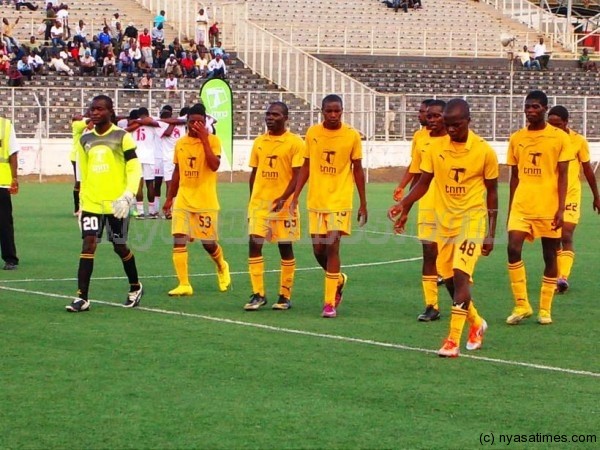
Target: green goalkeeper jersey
x=108, y=166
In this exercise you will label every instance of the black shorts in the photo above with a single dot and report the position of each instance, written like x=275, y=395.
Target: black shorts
x=92, y=224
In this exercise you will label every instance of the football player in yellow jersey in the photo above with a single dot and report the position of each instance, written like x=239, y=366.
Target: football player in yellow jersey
x=539, y=156
x=79, y=124
x=420, y=133
x=464, y=170
x=276, y=159
x=332, y=165
x=195, y=211
x=110, y=173
x=558, y=116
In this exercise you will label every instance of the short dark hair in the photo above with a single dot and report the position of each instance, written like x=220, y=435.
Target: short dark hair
x=282, y=105
x=104, y=98
x=461, y=105
x=143, y=111
x=332, y=98
x=538, y=95
x=184, y=111
x=559, y=111
x=134, y=114
x=198, y=108
x=440, y=103
x=427, y=102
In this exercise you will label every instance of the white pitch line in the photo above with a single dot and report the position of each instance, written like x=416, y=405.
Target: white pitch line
x=387, y=233
x=212, y=274
x=336, y=337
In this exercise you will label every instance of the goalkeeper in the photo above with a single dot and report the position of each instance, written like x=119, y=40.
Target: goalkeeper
x=110, y=174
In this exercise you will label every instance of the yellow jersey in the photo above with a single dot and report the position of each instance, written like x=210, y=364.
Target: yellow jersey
x=197, y=182
x=459, y=173
x=582, y=155
x=78, y=127
x=536, y=153
x=331, y=153
x=273, y=157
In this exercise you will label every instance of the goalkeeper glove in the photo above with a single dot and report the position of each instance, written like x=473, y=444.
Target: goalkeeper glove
x=122, y=205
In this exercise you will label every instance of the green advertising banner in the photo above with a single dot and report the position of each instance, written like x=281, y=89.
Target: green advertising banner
x=217, y=98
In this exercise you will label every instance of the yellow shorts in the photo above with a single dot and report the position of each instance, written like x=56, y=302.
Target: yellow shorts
x=457, y=253
x=197, y=225
x=535, y=228
x=322, y=222
x=427, y=231
x=572, y=210
x=275, y=230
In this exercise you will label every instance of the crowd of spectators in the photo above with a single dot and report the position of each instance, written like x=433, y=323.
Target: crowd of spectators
x=404, y=5
x=116, y=50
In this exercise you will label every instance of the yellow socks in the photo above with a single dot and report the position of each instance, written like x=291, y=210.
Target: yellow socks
x=218, y=257
x=473, y=316
x=430, y=290
x=331, y=283
x=256, y=267
x=286, y=279
x=565, y=263
x=547, y=293
x=518, y=283
x=180, y=261
x=457, y=323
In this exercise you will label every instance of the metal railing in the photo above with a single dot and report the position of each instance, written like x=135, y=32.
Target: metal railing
x=491, y=116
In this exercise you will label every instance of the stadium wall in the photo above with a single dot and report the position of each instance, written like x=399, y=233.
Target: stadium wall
x=54, y=155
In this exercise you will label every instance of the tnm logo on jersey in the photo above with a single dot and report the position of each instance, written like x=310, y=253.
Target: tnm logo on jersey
x=271, y=161
x=534, y=159
x=457, y=174
x=328, y=158
x=191, y=171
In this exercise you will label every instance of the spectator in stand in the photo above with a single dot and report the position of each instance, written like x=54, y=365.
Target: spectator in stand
x=218, y=50
x=17, y=53
x=390, y=119
x=60, y=64
x=15, y=78
x=191, y=46
x=114, y=21
x=109, y=65
x=160, y=19
x=95, y=46
x=135, y=54
x=80, y=35
x=32, y=45
x=526, y=60
x=25, y=68
x=145, y=41
x=176, y=48
x=146, y=81
x=216, y=68
x=23, y=4
x=104, y=36
x=541, y=54
x=172, y=66
x=7, y=33
x=87, y=64
x=4, y=59
x=62, y=15
x=202, y=20
x=585, y=63
x=57, y=33
x=213, y=34
x=158, y=36
x=188, y=66
x=36, y=62
x=171, y=86
x=160, y=57
x=129, y=82
x=201, y=65
x=116, y=35
x=125, y=62
x=144, y=67
x=131, y=31
x=50, y=19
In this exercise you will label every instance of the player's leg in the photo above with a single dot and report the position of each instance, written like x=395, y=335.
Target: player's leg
x=518, y=277
x=565, y=256
x=287, y=275
x=152, y=212
x=549, y=248
x=256, y=268
x=181, y=230
x=159, y=173
x=139, y=199
x=332, y=274
x=215, y=252
x=92, y=226
x=429, y=280
x=117, y=230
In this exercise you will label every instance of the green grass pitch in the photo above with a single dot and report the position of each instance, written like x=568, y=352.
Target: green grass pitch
x=200, y=372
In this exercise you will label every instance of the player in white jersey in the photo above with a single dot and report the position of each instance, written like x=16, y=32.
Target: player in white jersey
x=144, y=130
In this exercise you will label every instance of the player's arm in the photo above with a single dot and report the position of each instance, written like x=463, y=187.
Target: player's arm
x=173, y=189
x=563, y=183
x=399, y=211
x=359, y=180
x=513, y=184
x=252, y=179
x=491, y=187
x=148, y=121
x=132, y=125
x=588, y=172
x=289, y=190
x=303, y=175
x=133, y=169
x=407, y=178
x=13, y=163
